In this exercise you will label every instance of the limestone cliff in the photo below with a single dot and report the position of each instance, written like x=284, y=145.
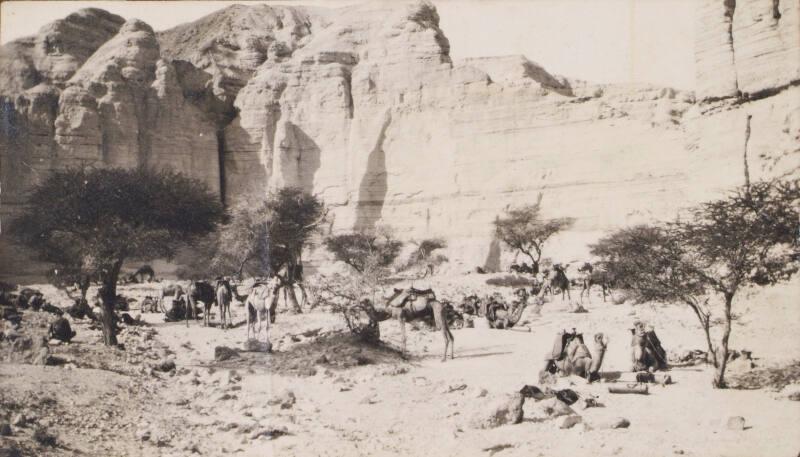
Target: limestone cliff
x=364, y=106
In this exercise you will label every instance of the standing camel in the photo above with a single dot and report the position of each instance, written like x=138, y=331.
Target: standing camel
x=199, y=291
x=560, y=280
x=416, y=304
x=261, y=304
x=222, y=296
x=591, y=276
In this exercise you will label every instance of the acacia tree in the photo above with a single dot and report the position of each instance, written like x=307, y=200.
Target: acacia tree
x=354, y=295
x=91, y=220
x=747, y=239
x=358, y=248
x=524, y=230
x=269, y=237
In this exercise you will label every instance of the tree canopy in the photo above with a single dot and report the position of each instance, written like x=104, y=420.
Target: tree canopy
x=268, y=237
x=92, y=220
x=357, y=248
x=749, y=238
x=523, y=229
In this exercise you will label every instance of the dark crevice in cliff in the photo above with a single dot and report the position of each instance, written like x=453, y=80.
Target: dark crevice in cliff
x=348, y=87
x=221, y=164
x=776, y=10
x=143, y=133
x=730, y=10
x=374, y=184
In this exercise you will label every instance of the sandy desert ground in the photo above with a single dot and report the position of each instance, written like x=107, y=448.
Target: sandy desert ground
x=320, y=394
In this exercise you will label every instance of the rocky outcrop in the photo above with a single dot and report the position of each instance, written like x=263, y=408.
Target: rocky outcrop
x=747, y=49
x=748, y=74
x=364, y=107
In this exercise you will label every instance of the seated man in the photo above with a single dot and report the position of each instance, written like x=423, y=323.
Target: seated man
x=646, y=350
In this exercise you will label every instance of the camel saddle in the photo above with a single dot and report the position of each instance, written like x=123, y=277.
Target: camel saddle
x=407, y=298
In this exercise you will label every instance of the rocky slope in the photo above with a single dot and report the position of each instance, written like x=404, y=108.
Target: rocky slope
x=364, y=106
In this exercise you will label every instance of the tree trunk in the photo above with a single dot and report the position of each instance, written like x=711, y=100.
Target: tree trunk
x=108, y=294
x=705, y=323
x=722, y=357
x=84, y=285
x=289, y=289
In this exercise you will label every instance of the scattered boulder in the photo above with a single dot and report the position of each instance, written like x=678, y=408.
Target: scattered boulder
x=19, y=420
x=533, y=392
x=454, y=388
x=61, y=330
x=222, y=353
x=479, y=392
x=791, y=392
x=285, y=399
x=165, y=366
x=271, y=433
x=736, y=423
x=5, y=429
x=253, y=345
x=498, y=411
x=568, y=396
x=570, y=421
x=44, y=438
x=614, y=423
x=143, y=435
x=549, y=409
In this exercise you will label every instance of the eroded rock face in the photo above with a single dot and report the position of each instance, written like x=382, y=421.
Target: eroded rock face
x=364, y=107
x=746, y=47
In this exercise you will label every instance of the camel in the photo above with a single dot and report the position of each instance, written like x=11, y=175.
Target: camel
x=138, y=275
x=560, y=281
x=222, y=296
x=414, y=304
x=502, y=317
x=199, y=291
x=571, y=356
x=525, y=268
x=594, y=277
x=646, y=350
x=471, y=305
x=579, y=360
x=169, y=290
x=258, y=309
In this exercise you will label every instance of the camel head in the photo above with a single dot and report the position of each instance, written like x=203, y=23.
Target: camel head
x=521, y=293
x=601, y=340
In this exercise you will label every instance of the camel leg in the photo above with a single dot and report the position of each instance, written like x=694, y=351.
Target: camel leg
x=269, y=313
x=448, y=338
x=403, y=333
x=259, y=320
x=303, y=294
x=189, y=307
x=247, y=310
x=439, y=319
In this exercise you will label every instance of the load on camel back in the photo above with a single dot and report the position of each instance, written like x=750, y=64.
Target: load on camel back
x=647, y=354
x=570, y=356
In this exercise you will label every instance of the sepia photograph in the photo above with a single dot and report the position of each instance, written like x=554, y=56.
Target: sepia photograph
x=465, y=228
